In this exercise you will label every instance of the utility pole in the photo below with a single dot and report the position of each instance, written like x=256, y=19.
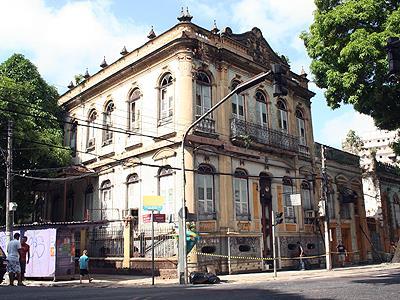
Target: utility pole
x=8, y=181
x=326, y=219
x=273, y=242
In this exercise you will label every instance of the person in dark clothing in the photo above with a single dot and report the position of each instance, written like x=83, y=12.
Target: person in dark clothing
x=342, y=253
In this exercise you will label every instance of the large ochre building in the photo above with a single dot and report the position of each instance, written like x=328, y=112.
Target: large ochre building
x=126, y=124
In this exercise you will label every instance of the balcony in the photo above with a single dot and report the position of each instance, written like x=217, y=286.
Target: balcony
x=206, y=127
x=250, y=133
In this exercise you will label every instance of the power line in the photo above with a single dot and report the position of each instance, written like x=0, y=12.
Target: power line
x=107, y=129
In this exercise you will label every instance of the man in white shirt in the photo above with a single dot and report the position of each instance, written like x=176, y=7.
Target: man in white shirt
x=13, y=265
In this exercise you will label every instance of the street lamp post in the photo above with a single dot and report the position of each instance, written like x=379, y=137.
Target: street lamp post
x=182, y=264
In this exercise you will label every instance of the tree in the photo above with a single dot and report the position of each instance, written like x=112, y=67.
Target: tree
x=352, y=142
x=31, y=103
x=347, y=44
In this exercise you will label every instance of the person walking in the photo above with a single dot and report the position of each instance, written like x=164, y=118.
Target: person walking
x=342, y=253
x=84, y=266
x=24, y=256
x=13, y=266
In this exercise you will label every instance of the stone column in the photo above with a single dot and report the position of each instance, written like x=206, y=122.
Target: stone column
x=127, y=243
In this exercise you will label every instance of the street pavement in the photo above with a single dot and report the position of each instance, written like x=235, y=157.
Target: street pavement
x=369, y=282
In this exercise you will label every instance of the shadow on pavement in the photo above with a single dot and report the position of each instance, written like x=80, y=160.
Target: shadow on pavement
x=219, y=292
x=385, y=279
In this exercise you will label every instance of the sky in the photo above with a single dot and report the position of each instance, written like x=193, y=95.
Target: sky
x=63, y=38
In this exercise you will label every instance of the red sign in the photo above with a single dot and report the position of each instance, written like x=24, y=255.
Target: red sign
x=158, y=218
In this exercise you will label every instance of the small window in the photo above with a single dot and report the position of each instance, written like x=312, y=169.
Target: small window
x=282, y=116
x=133, y=109
x=107, y=123
x=244, y=248
x=166, y=100
x=237, y=103
x=310, y=246
x=208, y=249
x=261, y=109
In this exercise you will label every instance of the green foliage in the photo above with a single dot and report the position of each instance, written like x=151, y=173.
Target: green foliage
x=352, y=142
x=23, y=90
x=78, y=78
x=347, y=43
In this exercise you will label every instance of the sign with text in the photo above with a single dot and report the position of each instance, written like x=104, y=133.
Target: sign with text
x=158, y=218
x=295, y=199
x=153, y=202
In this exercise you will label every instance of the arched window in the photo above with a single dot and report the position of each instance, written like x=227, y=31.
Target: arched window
x=301, y=127
x=237, y=103
x=289, y=212
x=91, y=130
x=166, y=186
x=203, y=94
x=107, y=123
x=73, y=136
x=261, y=109
x=282, y=116
x=134, y=109
x=132, y=182
x=306, y=195
x=241, y=195
x=205, y=192
x=107, y=205
x=166, y=100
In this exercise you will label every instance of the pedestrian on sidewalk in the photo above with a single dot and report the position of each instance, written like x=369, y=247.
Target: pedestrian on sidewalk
x=84, y=266
x=342, y=253
x=302, y=266
x=24, y=256
x=13, y=266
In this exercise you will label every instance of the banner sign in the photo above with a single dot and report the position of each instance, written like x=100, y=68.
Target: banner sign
x=42, y=242
x=295, y=199
x=153, y=202
x=158, y=218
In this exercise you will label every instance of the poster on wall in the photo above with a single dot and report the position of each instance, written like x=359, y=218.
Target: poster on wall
x=42, y=262
x=42, y=242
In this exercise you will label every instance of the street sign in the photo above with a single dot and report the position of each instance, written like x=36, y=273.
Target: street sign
x=153, y=203
x=158, y=218
x=295, y=199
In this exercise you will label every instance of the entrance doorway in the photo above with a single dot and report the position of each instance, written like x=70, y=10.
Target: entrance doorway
x=266, y=212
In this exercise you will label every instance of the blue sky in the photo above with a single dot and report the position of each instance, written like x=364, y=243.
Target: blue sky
x=63, y=38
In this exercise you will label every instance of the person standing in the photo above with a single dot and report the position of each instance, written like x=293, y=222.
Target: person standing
x=342, y=253
x=24, y=259
x=302, y=266
x=13, y=266
x=84, y=266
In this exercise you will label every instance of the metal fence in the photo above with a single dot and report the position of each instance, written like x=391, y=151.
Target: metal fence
x=106, y=241
x=165, y=243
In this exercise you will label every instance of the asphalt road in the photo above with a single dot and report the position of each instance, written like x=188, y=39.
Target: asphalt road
x=383, y=284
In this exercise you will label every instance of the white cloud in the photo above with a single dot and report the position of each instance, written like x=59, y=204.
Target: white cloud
x=335, y=130
x=63, y=42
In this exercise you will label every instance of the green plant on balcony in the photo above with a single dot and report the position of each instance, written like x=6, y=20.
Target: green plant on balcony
x=247, y=140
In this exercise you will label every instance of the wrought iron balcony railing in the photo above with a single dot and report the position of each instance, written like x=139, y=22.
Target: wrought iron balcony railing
x=250, y=132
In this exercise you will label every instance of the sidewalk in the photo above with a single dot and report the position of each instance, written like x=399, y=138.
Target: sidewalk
x=105, y=281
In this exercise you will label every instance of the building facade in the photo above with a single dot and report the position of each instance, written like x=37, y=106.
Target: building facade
x=345, y=205
x=126, y=124
x=382, y=202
